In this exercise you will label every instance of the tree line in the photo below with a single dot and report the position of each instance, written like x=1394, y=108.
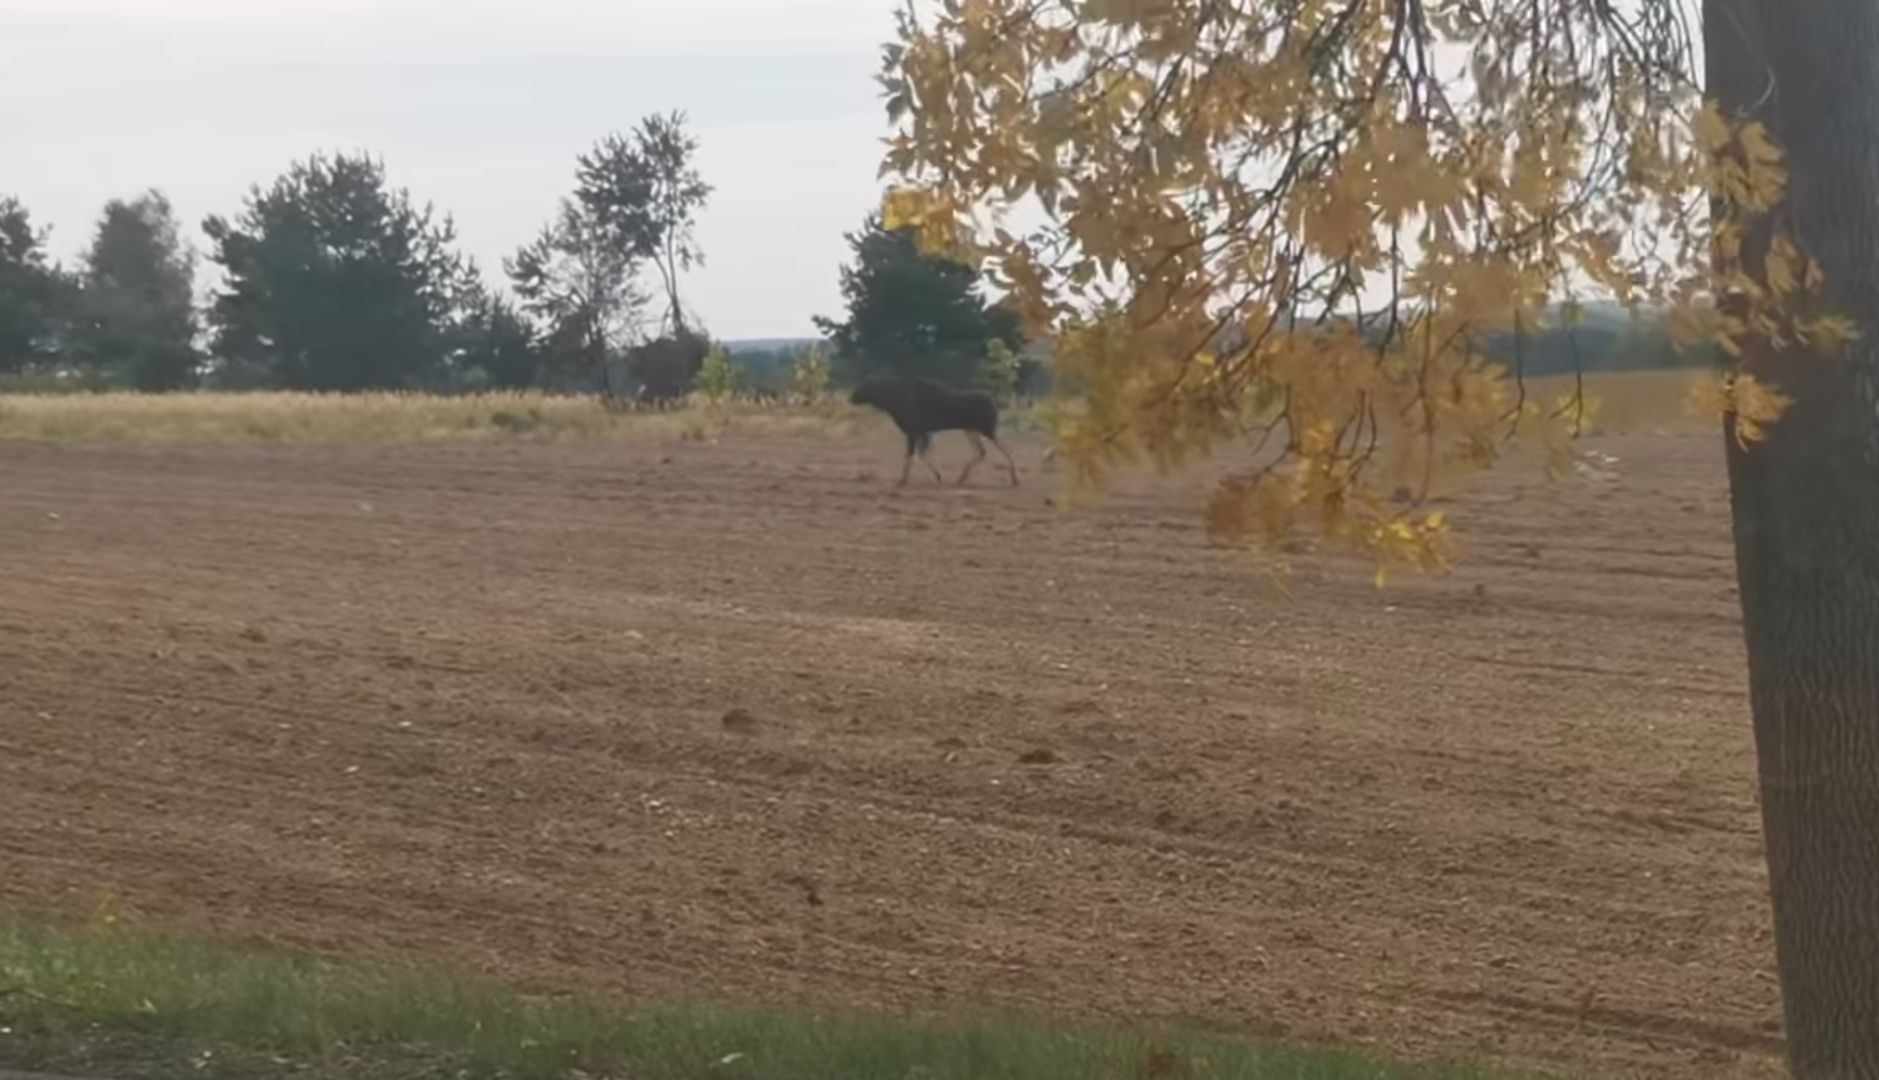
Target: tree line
x=330, y=278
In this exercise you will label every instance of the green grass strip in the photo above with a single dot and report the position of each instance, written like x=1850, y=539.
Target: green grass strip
x=154, y=1006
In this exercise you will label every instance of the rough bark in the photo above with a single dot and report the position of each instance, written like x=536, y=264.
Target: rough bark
x=1806, y=520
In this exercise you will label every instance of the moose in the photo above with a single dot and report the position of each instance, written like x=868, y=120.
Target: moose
x=921, y=407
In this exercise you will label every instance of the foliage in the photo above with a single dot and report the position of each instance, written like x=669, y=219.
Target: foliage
x=34, y=293
x=634, y=201
x=769, y=370
x=809, y=375
x=496, y=347
x=334, y=281
x=666, y=367
x=675, y=193
x=1297, y=224
x=998, y=374
x=717, y=379
x=912, y=313
x=578, y=281
x=136, y=317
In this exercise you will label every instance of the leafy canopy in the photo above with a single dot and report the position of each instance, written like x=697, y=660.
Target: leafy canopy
x=635, y=201
x=1295, y=222
x=496, y=347
x=579, y=281
x=665, y=155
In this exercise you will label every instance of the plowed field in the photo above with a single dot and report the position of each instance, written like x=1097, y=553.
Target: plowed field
x=739, y=721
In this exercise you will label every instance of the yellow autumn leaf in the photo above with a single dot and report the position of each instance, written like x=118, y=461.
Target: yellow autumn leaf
x=1830, y=333
x=1259, y=232
x=906, y=208
x=1755, y=405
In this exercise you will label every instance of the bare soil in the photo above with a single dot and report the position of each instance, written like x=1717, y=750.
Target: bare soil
x=740, y=721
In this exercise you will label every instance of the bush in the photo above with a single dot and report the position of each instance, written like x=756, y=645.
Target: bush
x=998, y=375
x=809, y=375
x=717, y=379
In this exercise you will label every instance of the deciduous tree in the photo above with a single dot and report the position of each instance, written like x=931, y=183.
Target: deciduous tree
x=635, y=202
x=578, y=280
x=1289, y=226
x=665, y=155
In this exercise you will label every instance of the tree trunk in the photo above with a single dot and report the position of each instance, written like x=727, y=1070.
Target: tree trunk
x=1806, y=520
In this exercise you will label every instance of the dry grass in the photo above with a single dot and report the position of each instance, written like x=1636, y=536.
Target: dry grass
x=1643, y=402
x=385, y=417
x=1634, y=403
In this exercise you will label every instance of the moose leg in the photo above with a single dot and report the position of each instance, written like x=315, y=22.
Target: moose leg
x=926, y=447
x=1009, y=464
x=978, y=446
x=906, y=465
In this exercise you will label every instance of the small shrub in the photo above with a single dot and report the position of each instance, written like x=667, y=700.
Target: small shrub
x=717, y=379
x=515, y=423
x=809, y=375
x=998, y=375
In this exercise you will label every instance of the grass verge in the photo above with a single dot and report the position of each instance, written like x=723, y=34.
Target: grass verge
x=132, y=1005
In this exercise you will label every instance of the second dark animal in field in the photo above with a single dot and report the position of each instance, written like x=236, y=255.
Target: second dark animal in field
x=920, y=408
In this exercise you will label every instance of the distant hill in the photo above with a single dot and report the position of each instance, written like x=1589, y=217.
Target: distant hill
x=776, y=344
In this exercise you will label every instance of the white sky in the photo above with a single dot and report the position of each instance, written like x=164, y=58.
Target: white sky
x=478, y=106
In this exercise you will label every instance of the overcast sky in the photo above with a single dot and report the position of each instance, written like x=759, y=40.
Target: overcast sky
x=478, y=106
